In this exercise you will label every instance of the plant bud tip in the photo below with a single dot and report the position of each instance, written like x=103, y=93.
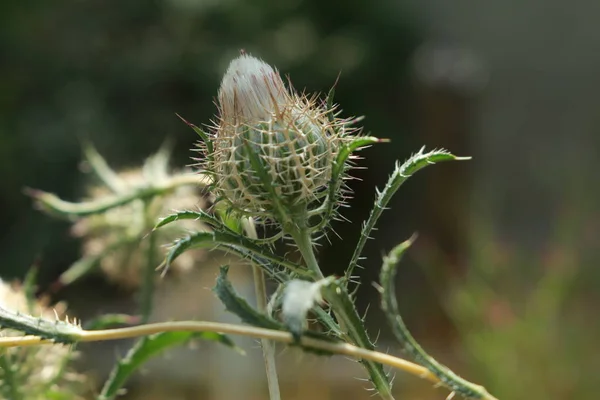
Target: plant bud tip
x=35, y=193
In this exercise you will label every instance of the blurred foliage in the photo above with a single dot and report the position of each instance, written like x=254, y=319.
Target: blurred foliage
x=525, y=318
x=117, y=73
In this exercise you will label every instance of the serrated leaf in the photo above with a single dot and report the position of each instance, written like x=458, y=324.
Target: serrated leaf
x=237, y=305
x=329, y=104
x=187, y=215
x=148, y=347
x=339, y=166
x=389, y=305
x=203, y=136
x=401, y=173
x=58, y=331
x=349, y=148
x=234, y=243
x=266, y=180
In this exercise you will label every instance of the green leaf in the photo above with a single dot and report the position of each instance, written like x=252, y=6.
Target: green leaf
x=145, y=349
x=325, y=318
x=234, y=243
x=186, y=215
x=102, y=169
x=389, y=305
x=203, y=136
x=283, y=214
x=237, y=305
x=29, y=288
x=349, y=148
x=339, y=167
x=228, y=218
x=401, y=173
x=54, y=205
x=85, y=265
x=58, y=331
x=329, y=106
x=226, y=222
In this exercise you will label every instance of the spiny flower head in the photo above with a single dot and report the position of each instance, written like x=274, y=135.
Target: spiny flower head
x=117, y=235
x=274, y=149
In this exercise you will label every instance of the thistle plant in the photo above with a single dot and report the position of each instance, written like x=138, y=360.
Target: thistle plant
x=114, y=220
x=275, y=164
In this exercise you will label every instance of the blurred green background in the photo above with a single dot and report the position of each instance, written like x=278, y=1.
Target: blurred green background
x=503, y=280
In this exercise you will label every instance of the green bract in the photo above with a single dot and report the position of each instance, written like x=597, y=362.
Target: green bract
x=295, y=157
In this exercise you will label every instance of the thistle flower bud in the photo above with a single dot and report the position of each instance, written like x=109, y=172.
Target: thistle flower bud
x=250, y=91
x=273, y=149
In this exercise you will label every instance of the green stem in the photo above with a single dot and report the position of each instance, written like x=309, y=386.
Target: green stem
x=346, y=314
x=268, y=347
x=147, y=289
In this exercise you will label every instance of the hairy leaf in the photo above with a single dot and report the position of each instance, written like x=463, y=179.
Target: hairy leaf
x=401, y=173
x=237, y=305
x=232, y=242
x=58, y=331
x=337, y=174
x=198, y=215
x=203, y=136
x=389, y=305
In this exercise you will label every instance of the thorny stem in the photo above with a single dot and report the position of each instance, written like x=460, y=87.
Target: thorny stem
x=268, y=347
x=355, y=333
